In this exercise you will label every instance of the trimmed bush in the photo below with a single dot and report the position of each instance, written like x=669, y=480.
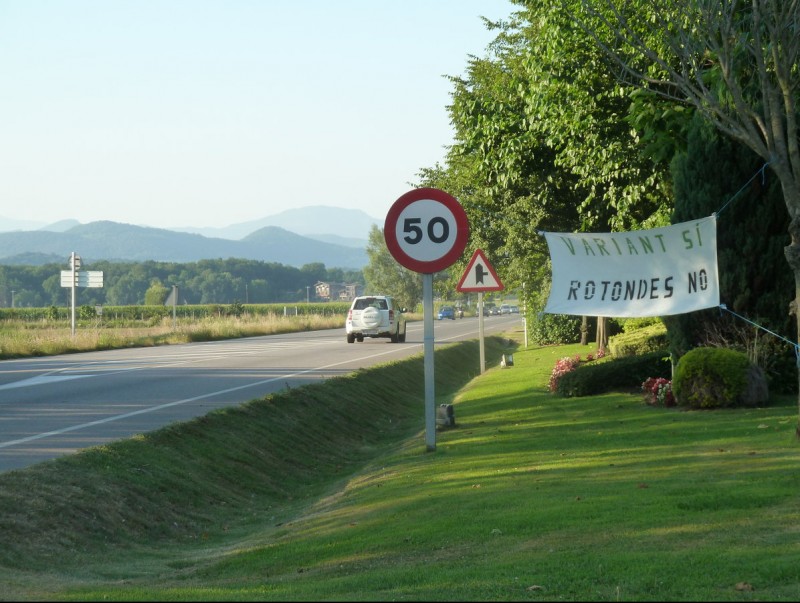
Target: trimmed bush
x=648, y=339
x=718, y=378
x=554, y=329
x=628, y=372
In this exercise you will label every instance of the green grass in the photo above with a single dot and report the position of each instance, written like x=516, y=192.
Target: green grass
x=327, y=492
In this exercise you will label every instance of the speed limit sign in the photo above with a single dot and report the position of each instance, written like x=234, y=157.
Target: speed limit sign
x=426, y=230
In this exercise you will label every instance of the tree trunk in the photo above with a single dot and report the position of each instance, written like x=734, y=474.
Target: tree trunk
x=585, y=330
x=791, y=195
x=602, y=338
x=792, y=252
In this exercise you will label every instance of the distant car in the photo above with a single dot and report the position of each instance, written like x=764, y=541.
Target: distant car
x=489, y=308
x=447, y=312
x=515, y=309
x=375, y=316
x=505, y=309
x=494, y=311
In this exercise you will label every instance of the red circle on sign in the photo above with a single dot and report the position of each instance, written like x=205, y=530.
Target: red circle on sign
x=446, y=225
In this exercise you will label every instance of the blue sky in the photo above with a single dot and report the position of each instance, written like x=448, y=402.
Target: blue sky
x=173, y=113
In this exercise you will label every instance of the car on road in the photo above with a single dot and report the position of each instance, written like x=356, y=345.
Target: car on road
x=447, y=312
x=505, y=309
x=375, y=316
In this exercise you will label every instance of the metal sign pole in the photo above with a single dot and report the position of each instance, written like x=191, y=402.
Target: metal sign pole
x=430, y=402
x=174, y=304
x=74, y=270
x=480, y=331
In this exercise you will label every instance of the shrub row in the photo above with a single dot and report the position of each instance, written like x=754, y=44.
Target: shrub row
x=648, y=339
x=705, y=378
x=609, y=374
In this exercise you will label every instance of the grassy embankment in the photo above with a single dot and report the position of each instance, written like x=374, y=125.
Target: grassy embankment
x=327, y=493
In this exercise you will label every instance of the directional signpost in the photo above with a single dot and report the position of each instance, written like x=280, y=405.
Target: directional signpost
x=86, y=278
x=426, y=230
x=479, y=277
x=75, y=278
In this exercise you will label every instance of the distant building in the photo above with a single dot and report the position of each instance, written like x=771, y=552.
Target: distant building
x=337, y=291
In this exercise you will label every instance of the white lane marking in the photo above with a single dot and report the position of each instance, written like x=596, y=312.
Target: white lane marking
x=168, y=360
x=179, y=402
x=201, y=352
x=42, y=380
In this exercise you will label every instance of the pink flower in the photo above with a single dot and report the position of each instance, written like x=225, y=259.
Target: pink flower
x=658, y=391
x=563, y=366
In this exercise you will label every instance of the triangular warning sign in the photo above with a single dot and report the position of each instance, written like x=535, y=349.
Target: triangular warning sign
x=479, y=275
x=172, y=298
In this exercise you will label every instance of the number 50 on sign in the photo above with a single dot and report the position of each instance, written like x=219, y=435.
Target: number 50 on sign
x=426, y=230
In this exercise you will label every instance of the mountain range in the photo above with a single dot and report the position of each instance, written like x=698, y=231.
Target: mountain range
x=332, y=236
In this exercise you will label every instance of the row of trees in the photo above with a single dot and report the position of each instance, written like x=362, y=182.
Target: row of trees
x=204, y=282
x=596, y=115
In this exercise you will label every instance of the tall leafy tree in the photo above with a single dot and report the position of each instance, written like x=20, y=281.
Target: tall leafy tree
x=500, y=170
x=545, y=140
x=581, y=113
x=156, y=293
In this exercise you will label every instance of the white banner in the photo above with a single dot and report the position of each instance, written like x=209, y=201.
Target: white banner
x=658, y=272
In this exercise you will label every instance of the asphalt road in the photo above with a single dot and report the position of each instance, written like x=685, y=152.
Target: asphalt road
x=56, y=405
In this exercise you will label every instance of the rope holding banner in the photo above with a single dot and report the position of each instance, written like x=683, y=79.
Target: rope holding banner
x=758, y=326
x=736, y=194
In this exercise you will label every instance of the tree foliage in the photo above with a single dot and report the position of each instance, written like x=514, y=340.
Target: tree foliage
x=385, y=276
x=204, y=282
x=547, y=140
x=156, y=294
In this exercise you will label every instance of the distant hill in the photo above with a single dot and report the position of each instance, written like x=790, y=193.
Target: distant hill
x=32, y=259
x=334, y=236
x=333, y=224
x=61, y=225
x=11, y=225
x=114, y=241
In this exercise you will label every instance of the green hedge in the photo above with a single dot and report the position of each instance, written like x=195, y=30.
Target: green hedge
x=640, y=341
x=610, y=374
